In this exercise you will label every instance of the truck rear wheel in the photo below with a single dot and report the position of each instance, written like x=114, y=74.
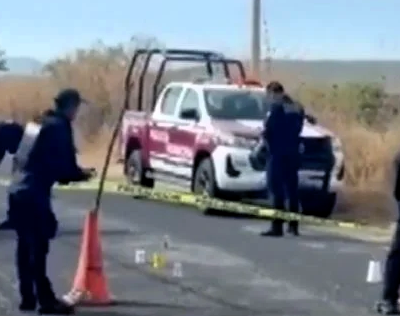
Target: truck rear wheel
x=135, y=172
x=318, y=204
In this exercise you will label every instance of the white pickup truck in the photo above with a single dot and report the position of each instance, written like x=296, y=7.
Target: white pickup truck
x=200, y=135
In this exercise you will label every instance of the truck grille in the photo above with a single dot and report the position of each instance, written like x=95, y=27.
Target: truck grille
x=316, y=146
x=316, y=153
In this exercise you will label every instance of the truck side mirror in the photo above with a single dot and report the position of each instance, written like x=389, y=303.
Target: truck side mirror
x=190, y=114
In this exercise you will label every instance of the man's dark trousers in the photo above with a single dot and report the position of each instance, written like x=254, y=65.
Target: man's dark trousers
x=283, y=184
x=31, y=256
x=392, y=269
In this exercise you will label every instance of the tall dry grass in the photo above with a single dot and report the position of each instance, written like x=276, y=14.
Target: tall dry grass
x=361, y=115
x=369, y=130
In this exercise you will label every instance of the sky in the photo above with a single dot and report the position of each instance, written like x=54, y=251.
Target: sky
x=298, y=29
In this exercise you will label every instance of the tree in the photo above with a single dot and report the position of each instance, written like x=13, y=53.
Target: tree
x=3, y=66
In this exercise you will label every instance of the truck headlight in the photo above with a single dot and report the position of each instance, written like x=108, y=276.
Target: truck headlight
x=235, y=141
x=336, y=144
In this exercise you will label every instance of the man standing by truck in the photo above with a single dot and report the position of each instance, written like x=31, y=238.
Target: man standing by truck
x=282, y=135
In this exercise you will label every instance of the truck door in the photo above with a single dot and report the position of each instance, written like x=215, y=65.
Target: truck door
x=160, y=125
x=182, y=136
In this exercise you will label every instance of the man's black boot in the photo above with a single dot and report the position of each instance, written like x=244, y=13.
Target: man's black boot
x=27, y=305
x=276, y=230
x=387, y=308
x=56, y=308
x=293, y=228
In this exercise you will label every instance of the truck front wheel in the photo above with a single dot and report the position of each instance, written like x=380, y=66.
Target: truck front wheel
x=135, y=172
x=204, y=179
x=204, y=183
x=318, y=204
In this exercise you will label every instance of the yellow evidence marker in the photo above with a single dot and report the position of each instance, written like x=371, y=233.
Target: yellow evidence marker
x=158, y=260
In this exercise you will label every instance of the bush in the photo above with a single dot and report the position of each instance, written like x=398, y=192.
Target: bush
x=2, y=62
x=362, y=115
x=366, y=120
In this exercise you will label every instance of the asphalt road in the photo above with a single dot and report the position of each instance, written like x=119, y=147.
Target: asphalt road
x=227, y=268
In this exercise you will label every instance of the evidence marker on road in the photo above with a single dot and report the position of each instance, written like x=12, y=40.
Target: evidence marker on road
x=158, y=261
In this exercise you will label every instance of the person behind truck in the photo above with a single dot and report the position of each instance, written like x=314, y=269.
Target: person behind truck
x=391, y=282
x=46, y=155
x=10, y=136
x=281, y=133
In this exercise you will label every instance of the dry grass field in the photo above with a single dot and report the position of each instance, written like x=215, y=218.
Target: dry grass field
x=363, y=115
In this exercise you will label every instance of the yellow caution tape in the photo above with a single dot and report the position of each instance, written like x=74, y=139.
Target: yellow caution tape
x=205, y=202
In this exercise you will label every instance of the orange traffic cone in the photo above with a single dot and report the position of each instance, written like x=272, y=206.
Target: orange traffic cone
x=90, y=285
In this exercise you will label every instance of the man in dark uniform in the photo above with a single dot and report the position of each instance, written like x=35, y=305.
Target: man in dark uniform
x=45, y=155
x=282, y=136
x=10, y=137
x=391, y=287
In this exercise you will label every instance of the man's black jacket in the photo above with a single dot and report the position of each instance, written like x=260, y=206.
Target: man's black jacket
x=283, y=126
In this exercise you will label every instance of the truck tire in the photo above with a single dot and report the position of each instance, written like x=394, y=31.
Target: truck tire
x=204, y=183
x=204, y=179
x=135, y=173
x=318, y=204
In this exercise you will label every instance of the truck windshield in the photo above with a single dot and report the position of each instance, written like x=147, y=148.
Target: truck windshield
x=235, y=104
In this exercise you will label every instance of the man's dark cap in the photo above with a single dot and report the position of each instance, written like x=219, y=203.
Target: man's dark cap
x=68, y=97
x=275, y=87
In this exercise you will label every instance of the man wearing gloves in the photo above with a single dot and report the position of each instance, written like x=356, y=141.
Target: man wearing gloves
x=46, y=155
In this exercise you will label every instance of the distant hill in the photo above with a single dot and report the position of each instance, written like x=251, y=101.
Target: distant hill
x=336, y=72
x=23, y=66
x=291, y=72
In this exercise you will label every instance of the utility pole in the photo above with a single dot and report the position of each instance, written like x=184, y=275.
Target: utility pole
x=255, y=37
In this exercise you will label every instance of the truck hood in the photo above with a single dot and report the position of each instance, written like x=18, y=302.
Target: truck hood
x=253, y=128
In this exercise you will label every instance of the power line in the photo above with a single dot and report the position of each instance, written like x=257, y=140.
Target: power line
x=267, y=51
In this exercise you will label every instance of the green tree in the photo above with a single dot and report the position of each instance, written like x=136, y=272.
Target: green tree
x=3, y=66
